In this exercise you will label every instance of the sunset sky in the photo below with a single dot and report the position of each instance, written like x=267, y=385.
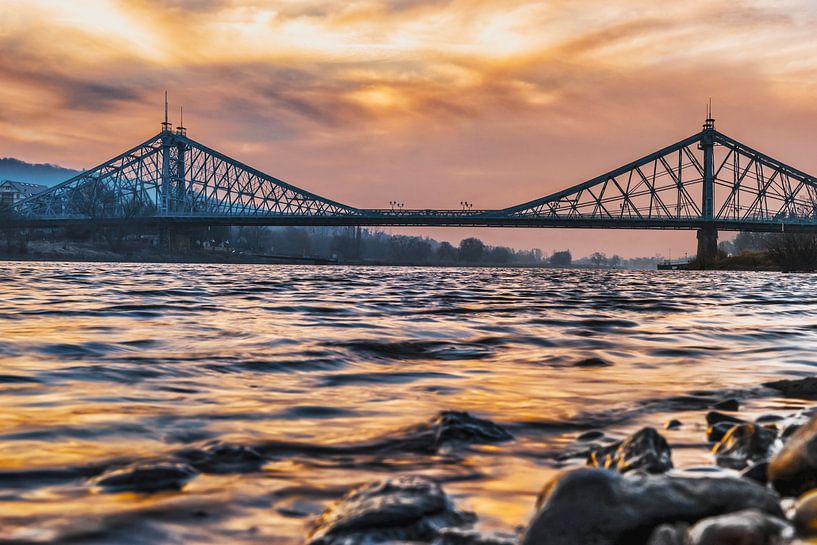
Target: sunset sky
x=420, y=101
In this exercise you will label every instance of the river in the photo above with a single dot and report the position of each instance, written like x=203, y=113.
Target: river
x=328, y=371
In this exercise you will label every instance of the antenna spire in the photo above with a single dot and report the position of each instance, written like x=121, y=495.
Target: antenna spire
x=166, y=124
x=709, y=124
x=181, y=129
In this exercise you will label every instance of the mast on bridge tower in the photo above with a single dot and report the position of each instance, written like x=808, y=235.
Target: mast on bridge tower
x=708, y=233
x=166, y=124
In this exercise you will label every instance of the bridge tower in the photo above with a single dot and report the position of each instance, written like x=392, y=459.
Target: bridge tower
x=708, y=233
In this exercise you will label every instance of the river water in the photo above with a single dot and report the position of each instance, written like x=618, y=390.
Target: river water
x=328, y=371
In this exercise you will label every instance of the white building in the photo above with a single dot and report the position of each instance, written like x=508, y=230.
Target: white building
x=11, y=191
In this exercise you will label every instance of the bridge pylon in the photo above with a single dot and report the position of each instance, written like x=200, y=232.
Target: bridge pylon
x=708, y=234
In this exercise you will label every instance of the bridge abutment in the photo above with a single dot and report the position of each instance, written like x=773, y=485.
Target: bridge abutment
x=707, y=244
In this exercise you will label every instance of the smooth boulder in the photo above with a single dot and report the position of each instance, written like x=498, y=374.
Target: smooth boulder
x=793, y=470
x=803, y=388
x=749, y=527
x=805, y=514
x=646, y=450
x=588, y=506
x=405, y=508
x=744, y=444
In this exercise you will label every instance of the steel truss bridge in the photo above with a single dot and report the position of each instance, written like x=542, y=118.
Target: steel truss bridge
x=706, y=182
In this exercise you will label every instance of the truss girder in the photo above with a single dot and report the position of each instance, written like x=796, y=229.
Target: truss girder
x=171, y=175
x=667, y=186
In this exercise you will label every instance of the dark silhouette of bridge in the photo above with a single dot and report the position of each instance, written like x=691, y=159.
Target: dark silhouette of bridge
x=706, y=182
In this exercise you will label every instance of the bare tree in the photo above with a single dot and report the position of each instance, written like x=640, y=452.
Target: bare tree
x=793, y=251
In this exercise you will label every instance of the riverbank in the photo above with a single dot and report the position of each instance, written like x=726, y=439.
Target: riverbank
x=83, y=252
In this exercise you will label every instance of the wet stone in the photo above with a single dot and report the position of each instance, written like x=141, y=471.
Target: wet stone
x=762, y=419
x=730, y=404
x=219, y=457
x=805, y=388
x=591, y=435
x=716, y=432
x=598, y=507
x=789, y=430
x=805, y=514
x=405, y=508
x=461, y=427
x=145, y=478
x=715, y=417
x=744, y=444
x=673, y=424
x=592, y=362
x=758, y=472
x=669, y=534
x=750, y=527
x=456, y=536
x=793, y=470
x=646, y=450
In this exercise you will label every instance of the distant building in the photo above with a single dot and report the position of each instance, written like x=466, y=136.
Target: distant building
x=11, y=191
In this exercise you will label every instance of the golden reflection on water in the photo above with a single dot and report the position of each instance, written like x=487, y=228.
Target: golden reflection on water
x=108, y=364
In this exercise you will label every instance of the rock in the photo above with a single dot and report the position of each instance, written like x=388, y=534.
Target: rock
x=718, y=424
x=669, y=534
x=405, y=508
x=457, y=427
x=805, y=388
x=592, y=362
x=712, y=471
x=805, y=514
x=765, y=418
x=645, y=450
x=758, y=472
x=716, y=432
x=750, y=527
x=587, y=506
x=714, y=417
x=591, y=435
x=730, y=404
x=219, y=457
x=789, y=430
x=793, y=470
x=456, y=536
x=145, y=477
x=743, y=444
x=673, y=424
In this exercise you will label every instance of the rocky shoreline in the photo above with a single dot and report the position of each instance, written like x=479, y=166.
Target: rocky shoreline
x=761, y=491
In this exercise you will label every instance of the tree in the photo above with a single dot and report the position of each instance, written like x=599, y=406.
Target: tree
x=409, y=249
x=500, y=255
x=615, y=261
x=471, y=249
x=446, y=253
x=750, y=242
x=561, y=259
x=599, y=259
x=793, y=251
x=727, y=247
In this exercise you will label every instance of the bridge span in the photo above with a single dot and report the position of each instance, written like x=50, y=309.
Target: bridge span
x=706, y=182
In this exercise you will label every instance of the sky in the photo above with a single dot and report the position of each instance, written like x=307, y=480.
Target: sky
x=420, y=101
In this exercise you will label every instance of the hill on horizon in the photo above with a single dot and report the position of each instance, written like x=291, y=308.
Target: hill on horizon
x=34, y=173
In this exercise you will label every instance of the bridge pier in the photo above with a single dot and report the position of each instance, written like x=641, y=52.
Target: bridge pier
x=176, y=239
x=707, y=244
